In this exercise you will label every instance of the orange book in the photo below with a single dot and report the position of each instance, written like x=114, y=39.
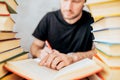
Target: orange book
x=31, y=70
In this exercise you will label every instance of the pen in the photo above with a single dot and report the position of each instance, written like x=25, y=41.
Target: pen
x=48, y=45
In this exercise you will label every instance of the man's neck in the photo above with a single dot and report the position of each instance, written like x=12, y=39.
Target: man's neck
x=72, y=21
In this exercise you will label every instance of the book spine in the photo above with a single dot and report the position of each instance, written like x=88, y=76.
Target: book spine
x=7, y=32
x=4, y=14
x=14, y=57
x=10, y=49
x=9, y=39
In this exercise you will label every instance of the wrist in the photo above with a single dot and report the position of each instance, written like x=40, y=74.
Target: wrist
x=73, y=56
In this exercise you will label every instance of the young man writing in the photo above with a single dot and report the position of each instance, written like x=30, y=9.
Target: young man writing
x=68, y=32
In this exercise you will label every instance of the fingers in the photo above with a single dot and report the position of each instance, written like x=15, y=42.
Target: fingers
x=55, y=62
x=43, y=61
x=48, y=50
x=60, y=65
x=67, y=59
x=50, y=60
x=45, y=52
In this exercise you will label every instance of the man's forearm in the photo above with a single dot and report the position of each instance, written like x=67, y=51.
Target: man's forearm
x=81, y=55
x=36, y=47
x=35, y=52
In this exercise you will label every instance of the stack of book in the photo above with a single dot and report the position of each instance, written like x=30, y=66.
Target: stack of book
x=10, y=48
x=106, y=30
x=104, y=8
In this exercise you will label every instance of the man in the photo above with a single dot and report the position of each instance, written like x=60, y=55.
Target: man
x=68, y=32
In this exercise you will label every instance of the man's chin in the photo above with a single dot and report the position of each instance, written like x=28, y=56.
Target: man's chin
x=68, y=17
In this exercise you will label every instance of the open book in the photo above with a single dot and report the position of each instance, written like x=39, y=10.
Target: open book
x=31, y=70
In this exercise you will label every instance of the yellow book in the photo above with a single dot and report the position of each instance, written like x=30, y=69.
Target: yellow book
x=31, y=70
x=10, y=53
x=9, y=44
x=6, y=23
x=11, y=4
x=7, y=35
x=107, y=73
x=104, y=9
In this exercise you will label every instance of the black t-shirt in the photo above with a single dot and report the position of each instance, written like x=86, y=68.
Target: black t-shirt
x=63, y=36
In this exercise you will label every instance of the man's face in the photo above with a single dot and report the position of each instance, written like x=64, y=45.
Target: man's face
x=71, y=9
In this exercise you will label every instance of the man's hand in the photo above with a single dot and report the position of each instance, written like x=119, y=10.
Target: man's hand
x=56, y=60
x=44, y=52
